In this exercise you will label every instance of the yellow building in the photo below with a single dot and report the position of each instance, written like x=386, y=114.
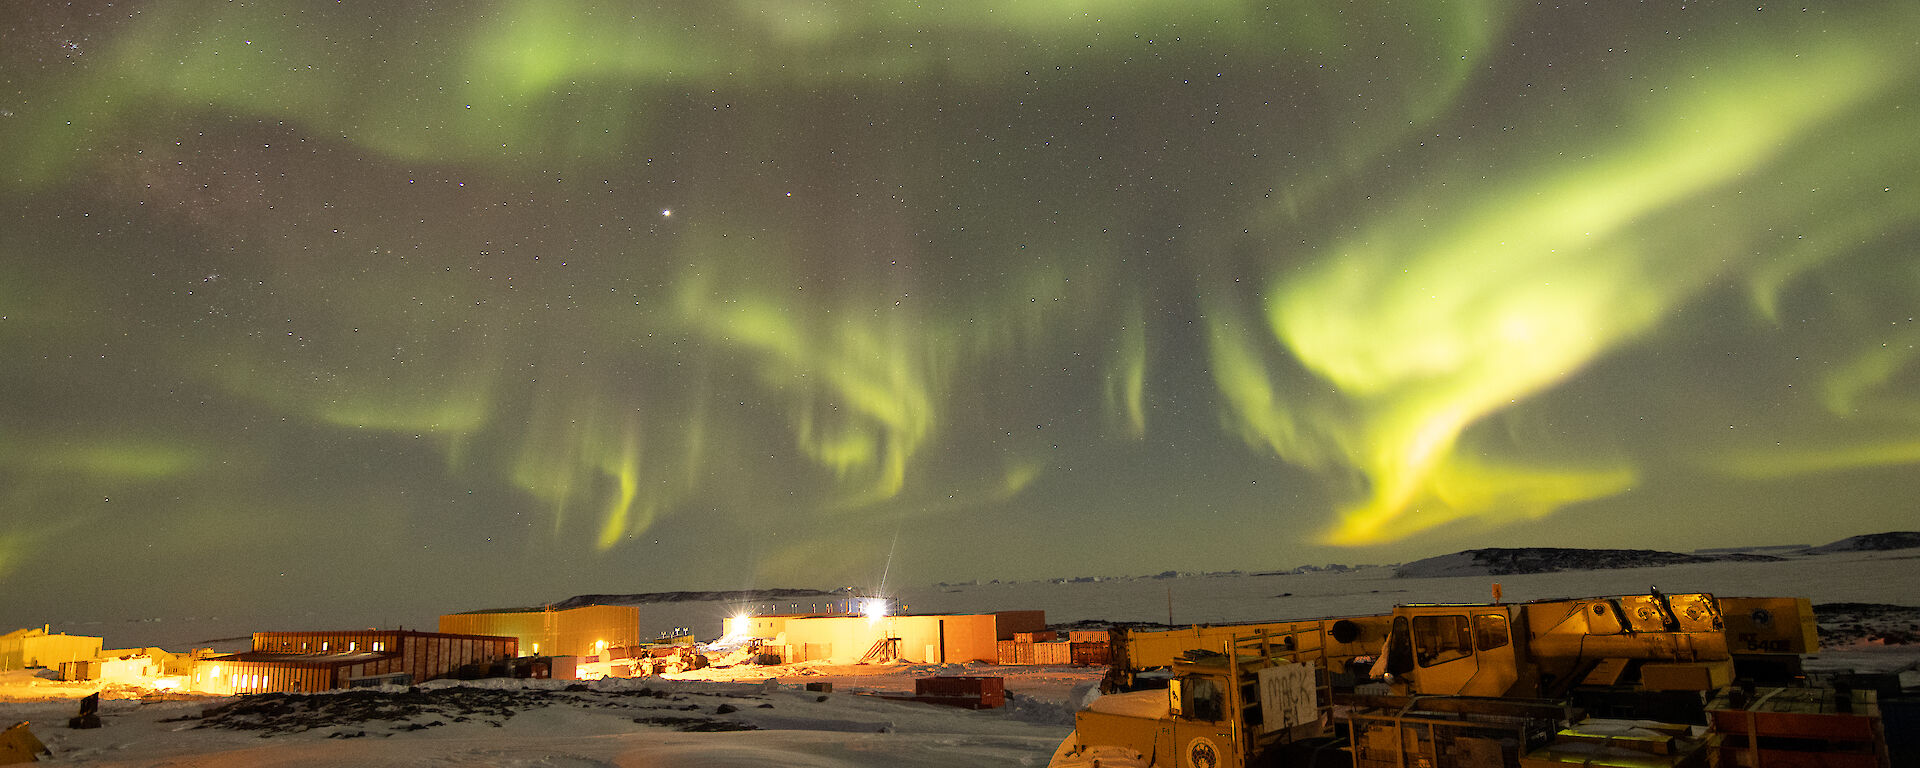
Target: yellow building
x=34, y=647
x=940, y=639
x=133, y=666
x=588, y=630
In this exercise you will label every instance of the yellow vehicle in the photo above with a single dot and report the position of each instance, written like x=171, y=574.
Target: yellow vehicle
x=1221, y=708
x=1564, y=640
x=1334, y=642
x=1436, y=685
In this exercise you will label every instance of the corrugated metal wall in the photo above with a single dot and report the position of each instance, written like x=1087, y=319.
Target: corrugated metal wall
x=227, y=676
x=570, y=632
x=422, y=656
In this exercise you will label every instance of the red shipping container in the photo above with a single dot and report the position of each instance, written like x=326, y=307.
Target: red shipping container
x=970, y=692
x=1092, y=654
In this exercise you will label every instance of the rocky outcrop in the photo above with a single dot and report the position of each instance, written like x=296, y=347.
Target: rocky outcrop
x=1872, y=542
x=734, y=596
x=1504, y=561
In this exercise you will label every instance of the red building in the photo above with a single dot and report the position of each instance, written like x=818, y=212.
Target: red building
x=308, y=662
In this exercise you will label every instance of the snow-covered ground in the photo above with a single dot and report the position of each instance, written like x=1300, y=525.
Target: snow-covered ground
x=643, y=722
x=549, y=723
x=743, y=716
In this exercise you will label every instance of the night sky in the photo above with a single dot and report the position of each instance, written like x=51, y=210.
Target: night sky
x=498, y=302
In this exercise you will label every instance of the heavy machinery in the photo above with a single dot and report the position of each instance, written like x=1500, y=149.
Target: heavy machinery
x=1437, y=686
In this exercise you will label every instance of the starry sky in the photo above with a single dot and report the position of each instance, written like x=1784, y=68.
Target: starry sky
x=501, y=301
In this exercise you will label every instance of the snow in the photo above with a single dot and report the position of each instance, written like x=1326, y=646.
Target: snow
x=599, y=724
x=555, y=723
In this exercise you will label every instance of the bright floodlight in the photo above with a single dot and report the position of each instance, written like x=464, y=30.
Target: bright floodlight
x=876, y=609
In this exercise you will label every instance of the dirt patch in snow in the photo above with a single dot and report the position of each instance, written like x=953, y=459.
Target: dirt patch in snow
x=373, y=712
x=1845, y=624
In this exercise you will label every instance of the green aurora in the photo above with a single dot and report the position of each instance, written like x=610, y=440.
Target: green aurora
x=510, y=300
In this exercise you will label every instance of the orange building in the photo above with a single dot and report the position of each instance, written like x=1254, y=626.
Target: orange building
x=309, y=662
x=588, y=630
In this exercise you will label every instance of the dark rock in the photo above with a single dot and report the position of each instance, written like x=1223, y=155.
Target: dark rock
x=1504, y=561
x=1842, y=624
x=1872, y=542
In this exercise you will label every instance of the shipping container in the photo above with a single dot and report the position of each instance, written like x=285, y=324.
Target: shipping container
x=1013, y=652
x=981, y=692
x=1092, y=654
x=1053, y=653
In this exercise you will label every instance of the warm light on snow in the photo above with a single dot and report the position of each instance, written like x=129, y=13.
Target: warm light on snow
x=804, y=727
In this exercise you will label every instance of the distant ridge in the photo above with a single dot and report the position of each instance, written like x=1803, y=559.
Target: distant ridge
x=1504, y=561
x=1769, y=549
x=1872, y=542
x=737, y=595
x=638, y=598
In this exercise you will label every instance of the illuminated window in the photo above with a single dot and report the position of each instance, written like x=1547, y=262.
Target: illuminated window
x=379, y=645
x=1489, y=631
x=1440, y=639
x=323, y=647
x=353, y=646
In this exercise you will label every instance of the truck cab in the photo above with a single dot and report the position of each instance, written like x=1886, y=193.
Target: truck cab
x=1219, y=710
x=1458, y=650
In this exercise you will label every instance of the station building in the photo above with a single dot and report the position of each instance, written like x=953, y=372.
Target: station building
x=587, y=630
x=310, y=662
x=931, y=638
x=36, y=647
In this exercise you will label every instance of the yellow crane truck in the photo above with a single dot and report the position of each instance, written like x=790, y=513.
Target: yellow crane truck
x=1633, y=680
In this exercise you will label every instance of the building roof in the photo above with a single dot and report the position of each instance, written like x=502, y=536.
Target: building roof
x=383, y=632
